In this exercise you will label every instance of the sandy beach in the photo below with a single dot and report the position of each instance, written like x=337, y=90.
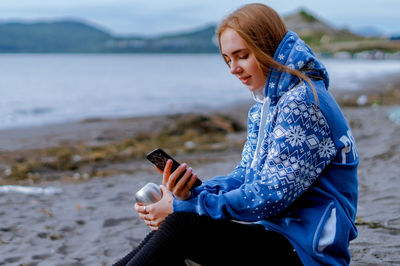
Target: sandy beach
x=91, y=221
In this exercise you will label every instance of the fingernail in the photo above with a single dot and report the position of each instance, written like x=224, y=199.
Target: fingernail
x=184, y=165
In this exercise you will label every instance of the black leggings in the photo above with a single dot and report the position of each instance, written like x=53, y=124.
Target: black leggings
x=207, y=241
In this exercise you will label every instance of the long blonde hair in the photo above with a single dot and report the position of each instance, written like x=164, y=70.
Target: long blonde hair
x=263, y=29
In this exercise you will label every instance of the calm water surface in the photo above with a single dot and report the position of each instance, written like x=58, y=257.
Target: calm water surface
x=39, y=89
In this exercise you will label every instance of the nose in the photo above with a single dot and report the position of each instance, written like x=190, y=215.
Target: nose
x=235, y=68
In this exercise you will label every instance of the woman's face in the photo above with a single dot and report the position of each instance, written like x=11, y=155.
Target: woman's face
x=241, y=60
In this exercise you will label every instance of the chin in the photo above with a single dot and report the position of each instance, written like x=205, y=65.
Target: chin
x=251, y=88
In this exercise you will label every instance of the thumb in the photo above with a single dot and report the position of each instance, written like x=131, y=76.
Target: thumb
x=163, y=189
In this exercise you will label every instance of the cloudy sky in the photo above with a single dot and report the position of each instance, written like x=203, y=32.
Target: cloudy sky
x=151, y=17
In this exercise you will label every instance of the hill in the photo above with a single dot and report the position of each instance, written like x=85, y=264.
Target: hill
x=316, y=32
x=60, y=36
x=197, y=41
x=324, y=38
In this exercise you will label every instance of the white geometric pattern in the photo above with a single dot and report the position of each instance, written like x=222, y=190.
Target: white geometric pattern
x=279, y=132
x=296, y=148
x=312, y=141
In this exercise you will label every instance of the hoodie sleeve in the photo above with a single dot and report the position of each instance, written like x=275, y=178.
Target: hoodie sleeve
x=294, y=154
x=222, y=184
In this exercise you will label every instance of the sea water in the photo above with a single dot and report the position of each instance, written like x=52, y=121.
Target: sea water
x=38, y=89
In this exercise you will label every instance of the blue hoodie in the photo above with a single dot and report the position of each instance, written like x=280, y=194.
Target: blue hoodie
x=298, y=173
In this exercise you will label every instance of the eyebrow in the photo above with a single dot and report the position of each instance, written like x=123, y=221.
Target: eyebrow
x=236, y=52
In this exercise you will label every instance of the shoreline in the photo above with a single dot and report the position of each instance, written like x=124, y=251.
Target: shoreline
x=101, y=129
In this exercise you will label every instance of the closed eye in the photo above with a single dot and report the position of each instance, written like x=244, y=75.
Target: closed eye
x=227, y=61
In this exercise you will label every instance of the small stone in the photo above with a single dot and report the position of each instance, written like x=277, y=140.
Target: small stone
x=76, y=158
x=190, y=144
x=362, y=100
x=7, y=172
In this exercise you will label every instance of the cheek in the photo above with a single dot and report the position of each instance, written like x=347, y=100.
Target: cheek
x=259, y=74
x=253, y=67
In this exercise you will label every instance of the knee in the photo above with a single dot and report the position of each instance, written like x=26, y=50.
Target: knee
x=181, y=220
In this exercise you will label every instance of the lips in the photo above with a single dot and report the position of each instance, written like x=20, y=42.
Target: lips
x=245, y=80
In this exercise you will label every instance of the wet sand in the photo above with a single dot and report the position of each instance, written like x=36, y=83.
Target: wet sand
x=93, y=222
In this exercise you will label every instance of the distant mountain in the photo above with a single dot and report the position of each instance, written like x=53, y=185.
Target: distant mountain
x=60, y=36
x=368, y=32
x=79, y=37
x=197, y=41
x=75, y=36
x=304, y=22
x=326, y=39
x=316, y=32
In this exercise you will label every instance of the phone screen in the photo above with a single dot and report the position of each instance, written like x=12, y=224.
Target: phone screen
x=159, y=158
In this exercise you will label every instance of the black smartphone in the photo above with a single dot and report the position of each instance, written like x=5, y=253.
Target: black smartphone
x=159, y=158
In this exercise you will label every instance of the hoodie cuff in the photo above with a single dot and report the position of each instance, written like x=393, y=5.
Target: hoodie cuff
x=183, y=205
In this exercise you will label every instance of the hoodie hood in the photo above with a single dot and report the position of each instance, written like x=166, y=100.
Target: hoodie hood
x=293, y=53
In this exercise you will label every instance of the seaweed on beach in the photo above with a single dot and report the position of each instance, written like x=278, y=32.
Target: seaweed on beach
x=374, y=225
x=188, y=133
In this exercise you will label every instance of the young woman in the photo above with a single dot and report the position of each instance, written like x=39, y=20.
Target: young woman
x=292, y=198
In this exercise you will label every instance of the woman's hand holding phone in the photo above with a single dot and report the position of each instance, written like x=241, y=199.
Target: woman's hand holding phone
x=176, y=177
x=180, y=188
